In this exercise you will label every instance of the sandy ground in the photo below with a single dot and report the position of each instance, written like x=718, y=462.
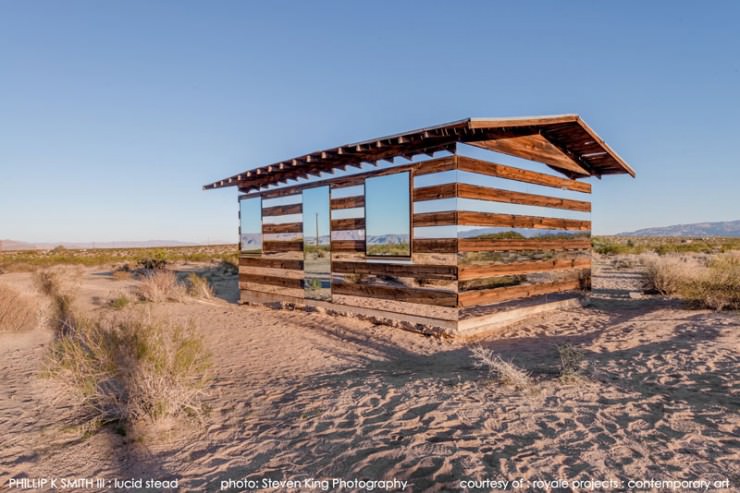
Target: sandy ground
x=304, y=395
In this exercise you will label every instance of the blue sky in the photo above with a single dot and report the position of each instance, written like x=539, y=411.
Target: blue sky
x=114, y=114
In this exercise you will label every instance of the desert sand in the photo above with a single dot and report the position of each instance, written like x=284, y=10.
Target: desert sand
x=299, y=395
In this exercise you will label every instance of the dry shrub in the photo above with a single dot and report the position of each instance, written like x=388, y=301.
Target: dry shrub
x=715, y=284
x=131, y=369
x=161, y=285
x=17, y=312
x=199, y=287
x=505, y=372
x=668, y=275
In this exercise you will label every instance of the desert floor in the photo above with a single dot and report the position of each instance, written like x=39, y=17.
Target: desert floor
x=304, y=395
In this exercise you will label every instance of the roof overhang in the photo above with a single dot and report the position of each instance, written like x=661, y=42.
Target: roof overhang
x=563, y=142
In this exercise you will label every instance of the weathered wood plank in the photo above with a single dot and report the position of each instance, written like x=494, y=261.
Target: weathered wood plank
x=471, y=272
x=283, y=246
x=447, y=272
x=498, y=295
x=348, y=202
x=271, y=280
x=272, y=263
x=410, y=295
x=435, y=245
x=445, y=218
x=468, y=191
x=282, y=210
x=282, y=228
x=436, y=192
x=534, y=147
x=348, y=224
x=348, y=246
x=502, y=171
x=430, y=166
x=477, y=192
x=470, y=218
x=502, y=245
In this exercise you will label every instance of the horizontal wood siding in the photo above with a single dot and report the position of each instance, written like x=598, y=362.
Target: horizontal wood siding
x=348, y=224
x=435, y=245
x=283, y=210
x=469, y=272
x=282, y=228
x=498, y=295
x=271, y=263
x=476, y=192
x=401, y=270
x=470, y=218
x=409, y=295
x=533, y=244
x=348, y=246
x=517, y=174
x=436, y=192
x=424, y=167
x=348, y=202
x=282, y=246
x=271, y=280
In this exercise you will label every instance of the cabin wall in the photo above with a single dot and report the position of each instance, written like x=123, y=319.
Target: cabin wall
x=525, y=239
x=475, y=243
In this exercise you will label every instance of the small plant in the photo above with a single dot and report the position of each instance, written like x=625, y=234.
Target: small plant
x=161, y=285
x=505, y=372
x=718, y=286
x=17, y=312
x=199, y=287
x=570, y=361
x=130, y=370
x=119, y=302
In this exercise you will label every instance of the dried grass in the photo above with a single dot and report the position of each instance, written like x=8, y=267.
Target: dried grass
x=718, y=286
x=709, y=283
x=161, y=285
x=199, y=287
x=17, y=312
x=130, y=369
x=505, y=372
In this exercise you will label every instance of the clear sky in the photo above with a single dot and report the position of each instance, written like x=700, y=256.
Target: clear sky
x=114, y=114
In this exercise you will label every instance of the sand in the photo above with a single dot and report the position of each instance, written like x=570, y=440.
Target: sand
x=300, y=395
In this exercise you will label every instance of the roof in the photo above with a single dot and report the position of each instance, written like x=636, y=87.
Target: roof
x=563, y=142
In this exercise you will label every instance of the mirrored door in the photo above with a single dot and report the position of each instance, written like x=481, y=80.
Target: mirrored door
x=316, y=243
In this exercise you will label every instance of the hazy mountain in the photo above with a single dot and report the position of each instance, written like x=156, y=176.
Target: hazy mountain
x=696, y=230
x=24, y=245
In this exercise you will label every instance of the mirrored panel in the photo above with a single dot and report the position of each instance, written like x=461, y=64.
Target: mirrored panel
x=388, y=215
x=316, y=243
x=250, y=225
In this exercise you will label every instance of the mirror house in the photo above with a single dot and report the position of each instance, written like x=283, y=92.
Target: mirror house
x=440, y=235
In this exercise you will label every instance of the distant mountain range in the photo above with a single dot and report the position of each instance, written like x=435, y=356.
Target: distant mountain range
x=696, y=230
x=24, y=245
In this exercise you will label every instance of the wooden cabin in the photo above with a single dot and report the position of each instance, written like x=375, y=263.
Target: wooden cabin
x=428, y=229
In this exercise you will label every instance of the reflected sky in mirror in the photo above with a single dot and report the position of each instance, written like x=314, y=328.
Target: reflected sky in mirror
x=387, y=215
x=250, y=214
